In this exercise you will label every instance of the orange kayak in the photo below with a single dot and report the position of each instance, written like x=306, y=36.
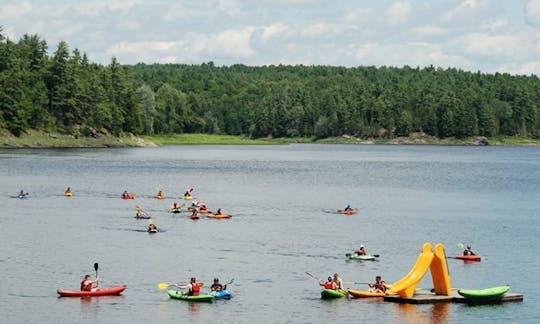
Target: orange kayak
x=347, y=212
x=219, y=216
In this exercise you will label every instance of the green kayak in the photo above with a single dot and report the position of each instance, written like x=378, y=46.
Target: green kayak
x=199, y=298
x=331, y=293
x=354, y=256
x=484, y=294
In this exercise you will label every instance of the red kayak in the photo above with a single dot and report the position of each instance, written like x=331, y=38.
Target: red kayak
x=100, y=292
x=468, y=257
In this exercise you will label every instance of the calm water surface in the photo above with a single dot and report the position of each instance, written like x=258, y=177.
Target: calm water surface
x=282, y=199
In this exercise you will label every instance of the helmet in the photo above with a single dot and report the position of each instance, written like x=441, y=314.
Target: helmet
x=216, y=279
x=468, y=246
x=361, y=246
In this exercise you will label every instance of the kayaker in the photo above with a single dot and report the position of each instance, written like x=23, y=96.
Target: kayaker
x=379, y=285
x=195, y=214
x=218, y=212
x=216, y=286
x=329, y=284
x=22, y=194
x=152, y=228
x=139, y=213
x=361, y=250
x=87, y=284
x=175, y=205
x=337, y=281
x=160, y=194
x=187, y=194
x=348, y=208
x=193, y=287
x=68, y=191
x=468, y=251
x=125, y=194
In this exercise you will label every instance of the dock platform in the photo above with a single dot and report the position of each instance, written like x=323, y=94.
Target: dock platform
x=427, y=297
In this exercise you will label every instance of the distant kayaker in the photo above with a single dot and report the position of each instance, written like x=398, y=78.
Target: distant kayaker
x=337, y=281
x=193, y=287
x=379, y=285
x=348, y=208
x=68, y=191
x=125, y=194
x=329, y=284
x=361, y=250
x=152, y=228
x=160, y=194
x=22, y=194
x=216, y=286
x=187, y=194
x=218, y=212
x=195, y=214
x=87, y=284
x=468, y=251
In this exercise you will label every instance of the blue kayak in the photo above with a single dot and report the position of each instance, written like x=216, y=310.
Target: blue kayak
x=223, y=294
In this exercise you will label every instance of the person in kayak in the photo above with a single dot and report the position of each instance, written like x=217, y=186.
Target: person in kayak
x=125, y=194
x=22, y=194
x=195, y=214
x=379, y=285
x=68, y=191
x=361, y=250
x=337, y=281
x=87, y=284
x=187, y=194
x=468, y=251
x=329, y=284
x=175, y=206
x=217, y=286
x=152, y=228
x=218, y=212
x=160, y=194
x=193, y=287
x=347, y=208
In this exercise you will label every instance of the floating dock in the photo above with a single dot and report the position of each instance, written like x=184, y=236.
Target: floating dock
x=427, y=297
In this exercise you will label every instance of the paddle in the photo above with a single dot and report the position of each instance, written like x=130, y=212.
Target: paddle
x=165, y=285
x=373, y=255
x=96, y=268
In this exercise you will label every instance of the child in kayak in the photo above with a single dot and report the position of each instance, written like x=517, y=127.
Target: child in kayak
x=216, y=286
x=87, y=284
x=329, y=284
x=468, y=251
x=379, y=285
x=361, y=250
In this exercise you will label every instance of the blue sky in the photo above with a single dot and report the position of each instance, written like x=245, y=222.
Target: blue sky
x=474, y=35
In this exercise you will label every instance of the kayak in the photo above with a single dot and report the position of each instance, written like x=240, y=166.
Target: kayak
x=365, y=293
x=354, y=256
x=203, y=210
x=199, y=298
x=175, y=211
x=188, y=197
x=68, y=194
x=219, y=216
x=152, y=231
x=160, y=197
x=468, y=257
x=484, y=294
x=331, y=293
x=128, y=197
x=143, y=216
x=194, y=217
x=100, y=292
x=223, y=294
x=347, y=212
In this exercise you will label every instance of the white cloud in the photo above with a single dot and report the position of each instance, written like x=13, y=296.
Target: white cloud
x=494, y=45
x=527, y=68
x=358, y=15
x=399, y=12
x=466, y=7
x=430, y=31
x=494, y=25
x=15, y=11
x=136, y=47
x=227, y=43
x=532, y=12
x=272, y=30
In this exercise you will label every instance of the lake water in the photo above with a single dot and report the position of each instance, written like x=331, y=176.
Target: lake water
x=282, y=199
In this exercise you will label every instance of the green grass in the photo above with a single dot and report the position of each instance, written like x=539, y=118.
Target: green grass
x=512, y=140
x=39, y=140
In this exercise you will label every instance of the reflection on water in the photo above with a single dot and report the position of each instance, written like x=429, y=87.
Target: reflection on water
x=438, y=313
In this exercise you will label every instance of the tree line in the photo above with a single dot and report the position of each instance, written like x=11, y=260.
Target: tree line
x=64, y=92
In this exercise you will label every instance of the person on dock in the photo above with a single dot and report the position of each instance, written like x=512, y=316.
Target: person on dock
x=87, y=284
x=337, y=281
x=217, y=286
x=361, y=250
x=193, y=287
x=379, y=285
x=468, y=251
x=329, y=284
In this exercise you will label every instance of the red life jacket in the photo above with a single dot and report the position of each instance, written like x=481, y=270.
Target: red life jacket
x=87, y=287
x=329, y=285
x=195, y=289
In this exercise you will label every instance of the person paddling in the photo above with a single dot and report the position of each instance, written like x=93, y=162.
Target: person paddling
x=87, y=284
x=379, y=285
x=68, y=192
x=328, y=285
x=468, y=251
x=193, y=287
x=125, y=195
x=217, y=286
x=22, y=194
x=348, y=208
x=152, y=228
x=361, y=250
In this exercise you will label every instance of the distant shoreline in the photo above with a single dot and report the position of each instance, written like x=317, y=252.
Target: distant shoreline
x=67, y=141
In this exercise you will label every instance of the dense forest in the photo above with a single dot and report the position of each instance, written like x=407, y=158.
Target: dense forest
x=67, y=94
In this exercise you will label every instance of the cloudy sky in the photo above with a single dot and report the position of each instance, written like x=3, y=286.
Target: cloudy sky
x=485, y=35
